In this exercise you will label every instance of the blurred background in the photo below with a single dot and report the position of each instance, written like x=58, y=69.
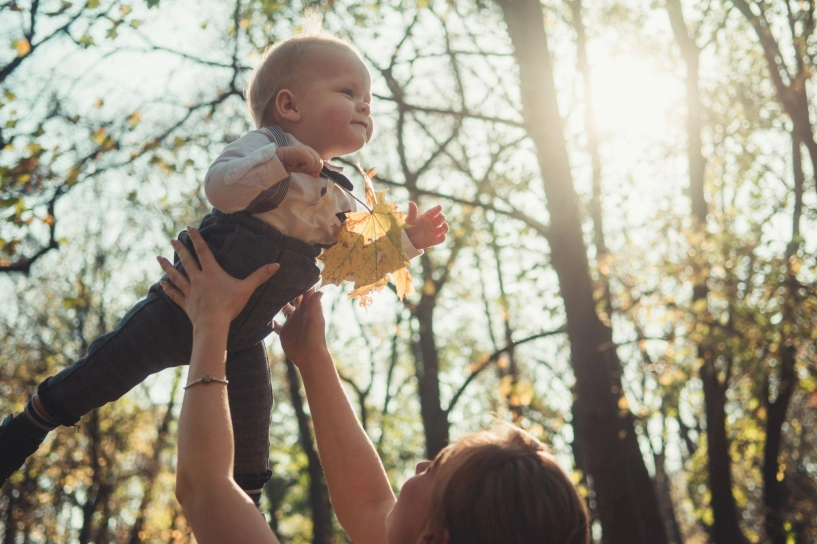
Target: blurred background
x=629, y=276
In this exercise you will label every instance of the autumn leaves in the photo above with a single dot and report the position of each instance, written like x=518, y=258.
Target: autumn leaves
x=369, y=248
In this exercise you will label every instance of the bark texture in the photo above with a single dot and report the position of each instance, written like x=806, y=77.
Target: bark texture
x=318, y=493
x=725, y=527
x=627, y=505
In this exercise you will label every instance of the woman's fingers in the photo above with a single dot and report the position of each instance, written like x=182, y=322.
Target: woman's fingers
x=202, y=250
x=172, y=292
x=188, y=262
x=180, y=282
x=315, y=303
x=254, y=280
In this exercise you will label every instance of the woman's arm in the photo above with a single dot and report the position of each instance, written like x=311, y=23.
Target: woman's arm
x=216, y=508
x=358, y=486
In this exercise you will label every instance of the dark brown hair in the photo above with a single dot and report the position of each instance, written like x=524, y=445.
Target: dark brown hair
x=505, y=488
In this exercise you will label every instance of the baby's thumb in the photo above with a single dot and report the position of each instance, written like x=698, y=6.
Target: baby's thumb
x=412, y=211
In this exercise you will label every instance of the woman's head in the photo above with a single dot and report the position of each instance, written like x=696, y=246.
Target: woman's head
x=490, y=488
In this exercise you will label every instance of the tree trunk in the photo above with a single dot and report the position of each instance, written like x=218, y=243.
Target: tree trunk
x=725, y=527
x=94, y=492
x=154, y=463
x=628, y=509
x=775, y=496
x=664, y=491
x=427, y=365
x=318, y=493
x=12, y=513
x=602, y=252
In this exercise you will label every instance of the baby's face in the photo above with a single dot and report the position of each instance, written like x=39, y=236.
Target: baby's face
x=334, y=102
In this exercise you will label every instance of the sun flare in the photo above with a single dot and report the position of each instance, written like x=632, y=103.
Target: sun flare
x=633, y=97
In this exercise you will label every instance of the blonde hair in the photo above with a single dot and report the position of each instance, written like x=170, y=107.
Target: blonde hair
x=280, y=67
x=505, y=488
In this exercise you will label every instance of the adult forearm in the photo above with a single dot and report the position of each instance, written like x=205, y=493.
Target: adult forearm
x=205, y=431
x=360, y=491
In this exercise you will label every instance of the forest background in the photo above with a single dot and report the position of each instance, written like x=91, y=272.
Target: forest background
x=630, y=274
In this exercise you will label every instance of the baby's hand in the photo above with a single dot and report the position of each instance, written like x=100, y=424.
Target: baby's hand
x=300, y=159
x=427, y=229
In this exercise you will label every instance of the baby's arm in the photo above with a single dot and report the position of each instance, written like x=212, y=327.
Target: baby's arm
x=252, y=164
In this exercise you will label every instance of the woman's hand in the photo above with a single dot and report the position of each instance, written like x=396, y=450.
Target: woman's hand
x=208, y=293
x=303, y=333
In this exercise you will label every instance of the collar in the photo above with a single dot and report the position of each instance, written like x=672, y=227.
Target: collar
x=333, y=172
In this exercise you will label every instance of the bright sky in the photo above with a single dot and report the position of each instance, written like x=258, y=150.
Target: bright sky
x=632, y=98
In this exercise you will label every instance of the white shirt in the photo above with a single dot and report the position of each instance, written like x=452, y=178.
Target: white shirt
x=309, y=210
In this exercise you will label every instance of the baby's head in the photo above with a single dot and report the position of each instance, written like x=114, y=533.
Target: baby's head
x=317, y=88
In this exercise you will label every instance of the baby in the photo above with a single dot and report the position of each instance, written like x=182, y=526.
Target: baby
x=276, y=199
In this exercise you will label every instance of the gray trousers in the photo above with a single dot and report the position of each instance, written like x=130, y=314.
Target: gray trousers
x=156, y=334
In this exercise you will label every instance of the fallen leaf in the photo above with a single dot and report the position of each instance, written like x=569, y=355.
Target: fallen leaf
x=369, y=247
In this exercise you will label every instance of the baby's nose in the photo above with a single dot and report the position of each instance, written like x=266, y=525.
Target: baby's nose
x=366, y=108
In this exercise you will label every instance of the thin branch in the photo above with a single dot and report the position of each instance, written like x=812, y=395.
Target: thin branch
x=24, y=265
x=495, y=357
x=465, y=113
x=10, y=67
x=540, y=228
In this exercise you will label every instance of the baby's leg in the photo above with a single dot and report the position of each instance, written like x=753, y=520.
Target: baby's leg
x=250, y=394
x=154, y=335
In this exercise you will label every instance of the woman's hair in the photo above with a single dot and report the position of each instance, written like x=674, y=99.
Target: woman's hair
x=506, y=488
x=281, y=66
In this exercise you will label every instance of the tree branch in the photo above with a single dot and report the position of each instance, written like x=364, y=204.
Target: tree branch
x=493, y=358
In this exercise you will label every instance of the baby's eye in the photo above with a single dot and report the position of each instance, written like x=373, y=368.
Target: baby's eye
x=348, y=92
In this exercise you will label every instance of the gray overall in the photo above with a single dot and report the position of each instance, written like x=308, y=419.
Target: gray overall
x=156, y=334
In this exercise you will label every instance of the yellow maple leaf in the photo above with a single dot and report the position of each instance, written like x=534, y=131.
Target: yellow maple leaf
x=369, y=247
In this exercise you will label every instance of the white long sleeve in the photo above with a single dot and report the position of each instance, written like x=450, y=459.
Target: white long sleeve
x=244, y=169
x=310, y=208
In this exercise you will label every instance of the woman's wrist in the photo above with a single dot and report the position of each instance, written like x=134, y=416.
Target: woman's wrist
x=209, y=348
x=211, y=324
x=316, y=361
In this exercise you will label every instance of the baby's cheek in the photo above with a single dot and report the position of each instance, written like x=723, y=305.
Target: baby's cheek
x=370, y=130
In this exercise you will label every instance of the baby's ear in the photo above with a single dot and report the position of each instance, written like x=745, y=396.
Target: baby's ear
x=286, y=106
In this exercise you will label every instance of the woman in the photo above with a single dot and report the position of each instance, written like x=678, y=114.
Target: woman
x=482, y=489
